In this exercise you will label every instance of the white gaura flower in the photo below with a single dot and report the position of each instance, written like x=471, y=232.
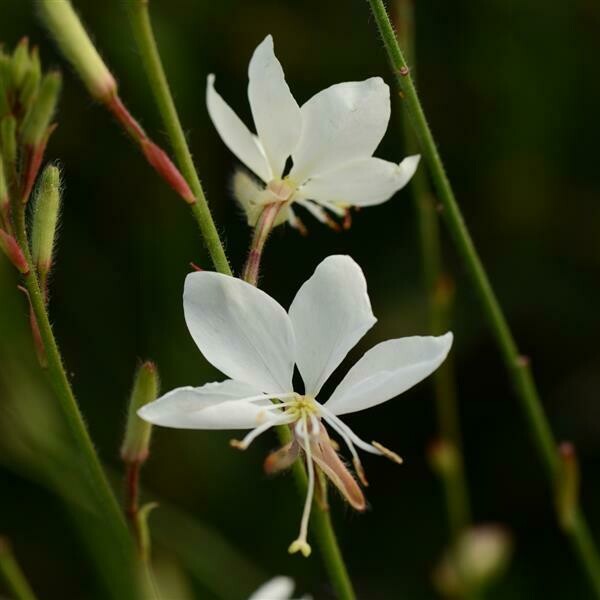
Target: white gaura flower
x=248, y=336
x=278, y=588
x=330, y=139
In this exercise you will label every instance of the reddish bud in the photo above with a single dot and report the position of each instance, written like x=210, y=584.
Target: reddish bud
x=11, y=248
x=158, y=158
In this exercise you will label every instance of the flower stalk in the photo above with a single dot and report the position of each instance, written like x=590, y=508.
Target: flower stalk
x=516, y=364
x=148, y=48
x=262, y=230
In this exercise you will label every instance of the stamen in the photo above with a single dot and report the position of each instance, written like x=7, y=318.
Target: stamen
x=296, y=222
x=300, y=544
x=250, y=437
x=318, y=213
x=388, y=453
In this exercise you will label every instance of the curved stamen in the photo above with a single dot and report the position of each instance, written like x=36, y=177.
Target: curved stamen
x=252, y=435
x=300, y=544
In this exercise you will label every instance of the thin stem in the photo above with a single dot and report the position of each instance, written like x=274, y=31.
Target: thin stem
x=12, y=575
x=322, y=527
x=262, y=231
x=517, y=365
x=132, y=484
x=101, y=492
x=439, y=300
x=144, y=35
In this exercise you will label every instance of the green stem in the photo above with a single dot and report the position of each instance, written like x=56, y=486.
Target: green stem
x=13, y=576
x=439, y=301
x=322, y=527
x=144, y=35
x=105, y=501
x=517, y=364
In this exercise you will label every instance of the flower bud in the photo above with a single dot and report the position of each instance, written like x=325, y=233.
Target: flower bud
x=73, y=40
x=138, y=432
x=31, y=80
x=20, y=63
x=5, y=80
x=477, y=558
x=11, y=248
x=45, y=221
x=37, y=121
x=567, y=490
x=8, y=140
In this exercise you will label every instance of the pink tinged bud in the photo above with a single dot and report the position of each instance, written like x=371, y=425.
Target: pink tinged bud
x=38, y=342
x=33, y=162
x=136, y=442
x=11, y=248
x=155, y=155
x=164, y=166
x=70, y=35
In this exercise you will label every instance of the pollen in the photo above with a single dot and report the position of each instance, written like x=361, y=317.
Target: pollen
x=303, y=407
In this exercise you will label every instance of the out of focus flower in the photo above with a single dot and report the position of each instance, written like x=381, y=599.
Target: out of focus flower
x=330, y=139
x=278, y=588
x=246, y=334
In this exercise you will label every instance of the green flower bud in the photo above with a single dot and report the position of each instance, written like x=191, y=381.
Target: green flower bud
x=20, y=62
x=37, y=121
x=5, y=83
x=64, y=24
x=31, y=81
x=8, y=140
x=45, y=221
x=138, y=432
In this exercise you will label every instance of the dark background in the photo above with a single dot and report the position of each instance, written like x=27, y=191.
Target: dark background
x=510, y=89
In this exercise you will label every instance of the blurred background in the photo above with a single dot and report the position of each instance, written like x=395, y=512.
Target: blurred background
x=510, y=89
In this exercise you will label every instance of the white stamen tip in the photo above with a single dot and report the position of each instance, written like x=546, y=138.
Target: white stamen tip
x=239, y=445
x=388, y=453
x=300, y=546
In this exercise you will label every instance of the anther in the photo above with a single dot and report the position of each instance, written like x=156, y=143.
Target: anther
x=300, y=546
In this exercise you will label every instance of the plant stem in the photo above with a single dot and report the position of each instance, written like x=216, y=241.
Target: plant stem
x=262, y=230
x=438, y=288
x=144, y=35
x=13, y=576
x=323, y=529
x=517, y=364
x=105, y=501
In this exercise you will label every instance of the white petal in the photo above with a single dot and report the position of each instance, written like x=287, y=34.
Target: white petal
x=343, y=122
x=219, y=405
x=235, y=134
x=330, y=313
x=278, y=588
x=387, y=370
x=276, y=114
x=240, y=330
x=363, y=182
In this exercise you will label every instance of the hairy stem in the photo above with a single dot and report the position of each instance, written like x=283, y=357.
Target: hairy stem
x=144, y=35
x=438, y=288
x=105, y=502
x=517, y=365
x=262, y=231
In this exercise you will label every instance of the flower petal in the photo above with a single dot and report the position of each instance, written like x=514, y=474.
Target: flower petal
x=218, y=405
x=363, y=182
x=330, y=313
x=278, y=588
x=235, y=134
x=240, y=330
x=276, y=114
x=387, y=370
x=339, y=124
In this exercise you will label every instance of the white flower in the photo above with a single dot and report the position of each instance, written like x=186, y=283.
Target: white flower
x=331, y=140
x=278, y=588
x=248, y=336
